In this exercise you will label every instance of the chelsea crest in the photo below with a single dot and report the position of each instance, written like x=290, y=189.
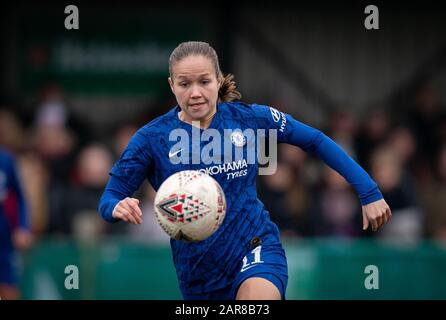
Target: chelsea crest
x=238, y=139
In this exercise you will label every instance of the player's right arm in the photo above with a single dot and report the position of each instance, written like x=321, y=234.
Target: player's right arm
x=128, y=210
x=126, y=177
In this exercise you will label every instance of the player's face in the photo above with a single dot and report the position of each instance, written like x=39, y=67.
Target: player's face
x=195, y=85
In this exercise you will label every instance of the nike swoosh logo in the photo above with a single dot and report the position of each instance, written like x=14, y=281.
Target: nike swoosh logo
x=171, y=154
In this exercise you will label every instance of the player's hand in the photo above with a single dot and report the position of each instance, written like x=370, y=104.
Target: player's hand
x=375, y=214
x=128, y=210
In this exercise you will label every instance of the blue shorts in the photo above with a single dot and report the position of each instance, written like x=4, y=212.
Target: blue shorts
x=268, y=262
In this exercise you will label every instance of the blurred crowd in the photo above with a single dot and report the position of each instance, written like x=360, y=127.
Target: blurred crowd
x=64, y=169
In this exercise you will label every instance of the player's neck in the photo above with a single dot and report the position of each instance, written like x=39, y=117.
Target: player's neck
x=204, y=123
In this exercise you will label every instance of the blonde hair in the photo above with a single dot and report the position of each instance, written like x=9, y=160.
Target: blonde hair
x=228, y=89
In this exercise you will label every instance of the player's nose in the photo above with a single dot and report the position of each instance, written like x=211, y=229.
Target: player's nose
x=195, y=92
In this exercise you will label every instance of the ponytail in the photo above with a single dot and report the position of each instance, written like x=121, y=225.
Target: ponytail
x=228, y=90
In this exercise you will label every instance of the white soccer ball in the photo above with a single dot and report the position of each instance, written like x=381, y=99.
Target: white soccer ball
x=190, y=205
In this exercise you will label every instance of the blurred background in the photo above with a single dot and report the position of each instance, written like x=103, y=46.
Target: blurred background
x=71, y=99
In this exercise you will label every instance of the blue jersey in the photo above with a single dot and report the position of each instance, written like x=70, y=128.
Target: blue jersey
x=212, y=264
x=13, y=210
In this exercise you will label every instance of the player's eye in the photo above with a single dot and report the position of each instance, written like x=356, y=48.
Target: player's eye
x=183, y=84
x=205, y=81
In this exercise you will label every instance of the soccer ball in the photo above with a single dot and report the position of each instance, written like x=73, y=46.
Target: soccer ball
x=190, y=205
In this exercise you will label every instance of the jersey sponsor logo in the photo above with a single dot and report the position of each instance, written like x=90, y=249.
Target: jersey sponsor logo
x=275, y=114
x=225, y=167
x=240, y=168
x=283, y=123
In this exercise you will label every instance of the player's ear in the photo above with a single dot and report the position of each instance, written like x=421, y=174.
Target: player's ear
x=171, y=84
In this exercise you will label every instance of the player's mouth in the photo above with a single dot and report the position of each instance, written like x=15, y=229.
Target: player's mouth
x=197, y=106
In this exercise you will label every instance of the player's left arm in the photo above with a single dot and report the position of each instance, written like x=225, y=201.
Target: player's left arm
x=375, y=210
x=375, y=214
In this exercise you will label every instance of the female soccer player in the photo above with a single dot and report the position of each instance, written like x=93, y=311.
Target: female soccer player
x=244, y=258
